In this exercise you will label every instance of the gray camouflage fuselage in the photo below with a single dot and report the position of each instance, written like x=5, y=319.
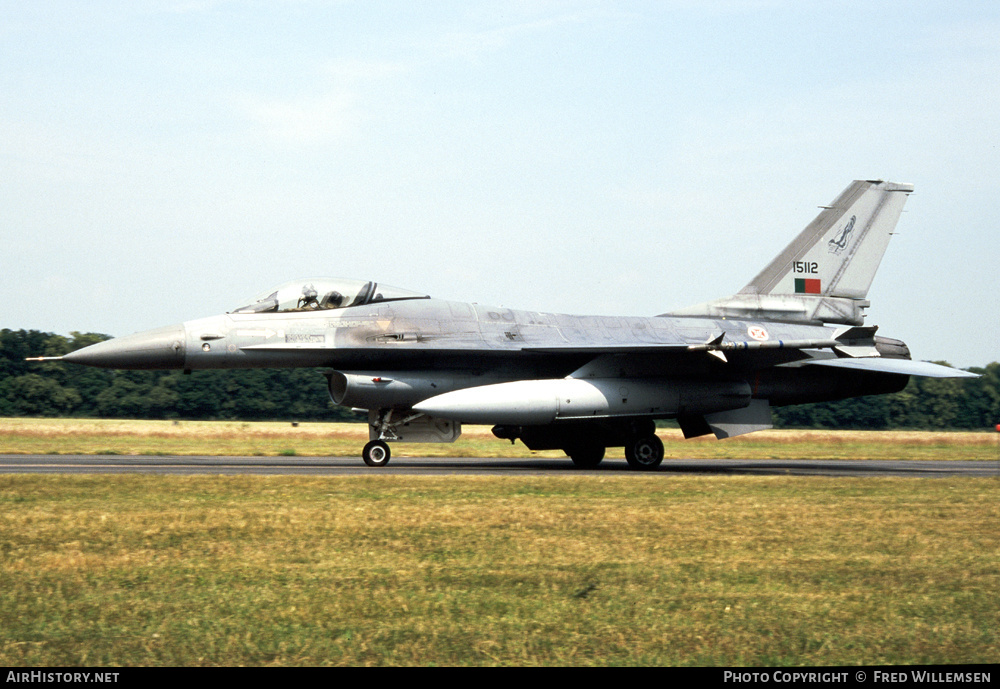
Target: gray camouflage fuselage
x=424, y=366
x=453, y=345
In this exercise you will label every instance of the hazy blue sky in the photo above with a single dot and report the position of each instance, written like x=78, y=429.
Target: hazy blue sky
x=162, y=160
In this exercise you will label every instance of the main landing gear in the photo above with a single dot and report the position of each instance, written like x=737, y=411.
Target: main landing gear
x=586, y=443
x=644, y=453
x=585, y=456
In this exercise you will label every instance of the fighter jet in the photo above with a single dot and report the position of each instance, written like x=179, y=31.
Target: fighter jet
x=422, y=367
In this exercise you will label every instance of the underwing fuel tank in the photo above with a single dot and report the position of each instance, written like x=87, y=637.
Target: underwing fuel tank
x=539, y=402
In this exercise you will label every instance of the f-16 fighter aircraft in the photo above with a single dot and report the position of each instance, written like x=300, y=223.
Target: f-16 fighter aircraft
x=421, y=367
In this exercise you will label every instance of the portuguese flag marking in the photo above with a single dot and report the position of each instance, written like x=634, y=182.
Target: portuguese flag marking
x=807, y=286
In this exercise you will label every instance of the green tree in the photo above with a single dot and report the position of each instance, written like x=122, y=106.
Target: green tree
x=36, y=395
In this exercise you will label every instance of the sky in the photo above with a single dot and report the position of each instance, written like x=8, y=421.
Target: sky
x=164, y=160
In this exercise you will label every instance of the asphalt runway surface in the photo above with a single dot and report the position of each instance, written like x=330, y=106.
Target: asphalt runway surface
x=351, y=466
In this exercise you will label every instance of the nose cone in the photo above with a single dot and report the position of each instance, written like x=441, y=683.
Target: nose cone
x=152, y=349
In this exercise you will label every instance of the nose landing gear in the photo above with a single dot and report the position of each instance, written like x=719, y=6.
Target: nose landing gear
x=376, y=454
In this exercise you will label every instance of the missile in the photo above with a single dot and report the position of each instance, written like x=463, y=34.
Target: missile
x=539, y=402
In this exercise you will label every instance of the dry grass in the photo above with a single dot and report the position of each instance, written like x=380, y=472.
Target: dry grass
x=582, y=570
x=75, y=436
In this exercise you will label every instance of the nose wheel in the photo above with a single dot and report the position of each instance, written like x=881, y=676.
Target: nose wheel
x=376, y=454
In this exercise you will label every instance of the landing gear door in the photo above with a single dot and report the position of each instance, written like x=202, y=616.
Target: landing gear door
x=419, y=428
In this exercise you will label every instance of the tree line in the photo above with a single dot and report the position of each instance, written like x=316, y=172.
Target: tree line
x=56, y=389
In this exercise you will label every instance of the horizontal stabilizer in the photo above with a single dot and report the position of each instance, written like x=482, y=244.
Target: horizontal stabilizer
x=906, y=367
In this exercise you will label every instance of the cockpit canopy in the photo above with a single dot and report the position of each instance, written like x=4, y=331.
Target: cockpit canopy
x=324, y=293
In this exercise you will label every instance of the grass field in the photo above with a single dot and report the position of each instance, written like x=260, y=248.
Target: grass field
x=76, y=436
x=645, y=569
x=581, y=570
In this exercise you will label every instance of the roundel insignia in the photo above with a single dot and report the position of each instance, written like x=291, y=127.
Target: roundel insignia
x=757, y=332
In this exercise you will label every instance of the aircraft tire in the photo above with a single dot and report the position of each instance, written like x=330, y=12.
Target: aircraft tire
x=376, y=454
x=644, y=453
x=586, y=456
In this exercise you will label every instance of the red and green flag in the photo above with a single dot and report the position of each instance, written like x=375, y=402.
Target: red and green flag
x=807, y=286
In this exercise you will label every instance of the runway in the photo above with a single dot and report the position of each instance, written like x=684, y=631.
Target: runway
x=351, y=466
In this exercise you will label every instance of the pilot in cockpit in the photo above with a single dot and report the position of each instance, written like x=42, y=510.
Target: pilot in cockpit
x=333, y=300
x=321, y=294
x=308, y=301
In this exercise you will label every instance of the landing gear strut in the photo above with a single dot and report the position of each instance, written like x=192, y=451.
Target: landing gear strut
x=404, y=425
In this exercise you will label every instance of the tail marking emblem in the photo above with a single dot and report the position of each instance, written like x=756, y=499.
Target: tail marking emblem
x=839, y=243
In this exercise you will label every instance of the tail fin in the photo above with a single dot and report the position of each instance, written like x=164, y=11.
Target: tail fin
x=838, y=252
x=824, y=275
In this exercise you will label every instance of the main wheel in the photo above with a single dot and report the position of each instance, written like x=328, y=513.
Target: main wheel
x=586, y=456
x=376, y=454
x=644, y=453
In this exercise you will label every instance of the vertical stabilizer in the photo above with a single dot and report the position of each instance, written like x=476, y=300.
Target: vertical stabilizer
x=824, y=275
x=837, y=254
